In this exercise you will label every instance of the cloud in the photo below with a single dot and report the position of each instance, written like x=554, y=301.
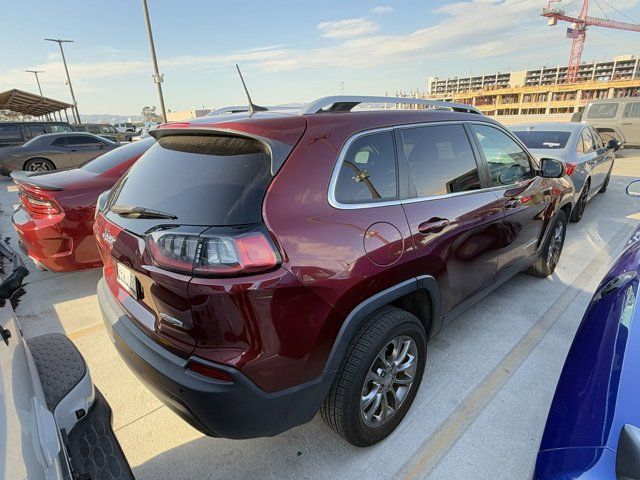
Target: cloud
x=348, y=28
x=508, y=31
x=382, y=9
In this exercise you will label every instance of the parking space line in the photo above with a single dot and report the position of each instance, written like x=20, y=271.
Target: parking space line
x=436, y=447
x=85, y=331
x=139, y=418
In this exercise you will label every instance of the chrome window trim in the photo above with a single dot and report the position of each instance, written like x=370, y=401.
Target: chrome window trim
x=354, y=206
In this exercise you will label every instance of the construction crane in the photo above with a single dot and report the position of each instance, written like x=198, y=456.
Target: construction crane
x=578, y=31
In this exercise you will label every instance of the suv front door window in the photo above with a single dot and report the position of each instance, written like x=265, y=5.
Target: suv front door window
x=447, y=203
x=508, y=162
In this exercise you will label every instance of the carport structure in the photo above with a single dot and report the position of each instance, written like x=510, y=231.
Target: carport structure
x=25, y=103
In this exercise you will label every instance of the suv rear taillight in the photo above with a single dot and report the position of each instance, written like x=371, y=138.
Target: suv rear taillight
x=39, y=206
x=209, y=255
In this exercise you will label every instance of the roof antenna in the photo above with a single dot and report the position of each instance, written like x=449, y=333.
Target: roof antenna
x=252, y=107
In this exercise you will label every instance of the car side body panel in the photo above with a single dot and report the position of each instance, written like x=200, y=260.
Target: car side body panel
x=597, y=393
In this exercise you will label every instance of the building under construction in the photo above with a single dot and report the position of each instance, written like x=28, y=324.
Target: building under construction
x=540, y=91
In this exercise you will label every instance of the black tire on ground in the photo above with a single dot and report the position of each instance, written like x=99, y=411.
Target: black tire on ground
x=549, y=256
x=606, y=183
x=39, y=165
x=578, y=210
x=343, y=409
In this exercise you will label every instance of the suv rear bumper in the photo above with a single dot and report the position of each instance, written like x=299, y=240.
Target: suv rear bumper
x=237, y=409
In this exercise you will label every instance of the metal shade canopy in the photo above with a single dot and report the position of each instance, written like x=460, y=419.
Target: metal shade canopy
x=27, y=103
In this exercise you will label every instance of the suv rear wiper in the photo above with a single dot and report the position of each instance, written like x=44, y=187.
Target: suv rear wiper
x=140, y=212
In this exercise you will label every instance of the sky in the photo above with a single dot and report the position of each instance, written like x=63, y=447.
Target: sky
x=289, y=51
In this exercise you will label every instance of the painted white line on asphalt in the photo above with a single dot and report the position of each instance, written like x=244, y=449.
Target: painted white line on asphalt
x=12, y=188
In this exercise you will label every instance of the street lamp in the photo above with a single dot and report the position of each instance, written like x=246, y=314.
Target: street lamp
x=157, y=77
x=36, y=72
x=64, y=61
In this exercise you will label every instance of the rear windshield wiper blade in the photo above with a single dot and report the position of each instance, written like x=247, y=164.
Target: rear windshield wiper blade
x=140, y=212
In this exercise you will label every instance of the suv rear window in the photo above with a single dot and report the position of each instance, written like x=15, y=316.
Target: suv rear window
x=603, y=110
x=203, y=180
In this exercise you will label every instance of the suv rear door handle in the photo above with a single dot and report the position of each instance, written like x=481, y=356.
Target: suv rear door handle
x=433, y=225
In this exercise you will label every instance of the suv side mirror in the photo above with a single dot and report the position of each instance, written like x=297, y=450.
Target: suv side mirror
x=551, y=168
x=628, y=454
x=633, y=189
x=614, y=144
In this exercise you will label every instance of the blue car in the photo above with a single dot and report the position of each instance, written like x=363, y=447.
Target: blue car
x=593, y=428
x=587, y=157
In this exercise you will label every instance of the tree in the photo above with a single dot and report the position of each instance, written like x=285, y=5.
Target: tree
x=150, y=115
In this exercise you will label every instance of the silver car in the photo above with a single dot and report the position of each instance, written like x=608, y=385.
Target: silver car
x=54, y=151
x=54, y=423
x=588, y=158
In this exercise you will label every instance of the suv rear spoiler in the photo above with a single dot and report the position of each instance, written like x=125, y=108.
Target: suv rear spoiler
x=30, y=179
x=279, y=151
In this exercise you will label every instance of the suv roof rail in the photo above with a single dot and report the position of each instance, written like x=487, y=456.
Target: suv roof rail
x=345, y=103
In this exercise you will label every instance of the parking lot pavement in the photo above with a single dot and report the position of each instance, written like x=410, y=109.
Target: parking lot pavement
x=480, y=410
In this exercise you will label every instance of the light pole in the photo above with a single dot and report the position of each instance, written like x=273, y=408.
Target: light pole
x=36, y=72
x=157, y=77
x=75, y=111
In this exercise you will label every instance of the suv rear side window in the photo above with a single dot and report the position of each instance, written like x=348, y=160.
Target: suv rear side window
x=632, y=110
x=9, y=132
x=61, y=128
x=508, y=162
x=203, y=180
x=368, y=172
x=603, y=110
x=440, y=160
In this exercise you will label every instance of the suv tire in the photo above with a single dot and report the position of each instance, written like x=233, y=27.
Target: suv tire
x=549, y=256
x=365, y=384
x=606, y=182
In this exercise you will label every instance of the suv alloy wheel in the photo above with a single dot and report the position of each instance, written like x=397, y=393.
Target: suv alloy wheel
x=378, y=378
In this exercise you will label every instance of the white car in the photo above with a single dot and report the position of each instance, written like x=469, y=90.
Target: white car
x=125, y=127
x=54, y=424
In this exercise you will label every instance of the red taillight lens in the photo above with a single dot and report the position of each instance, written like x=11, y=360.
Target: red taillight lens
x=212, y=255
x=39, y=205
x=570, y=167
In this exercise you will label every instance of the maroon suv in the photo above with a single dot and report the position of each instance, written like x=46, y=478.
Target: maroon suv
x=261, y=268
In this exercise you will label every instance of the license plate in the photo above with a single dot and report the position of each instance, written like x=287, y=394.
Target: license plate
x=127, y=279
